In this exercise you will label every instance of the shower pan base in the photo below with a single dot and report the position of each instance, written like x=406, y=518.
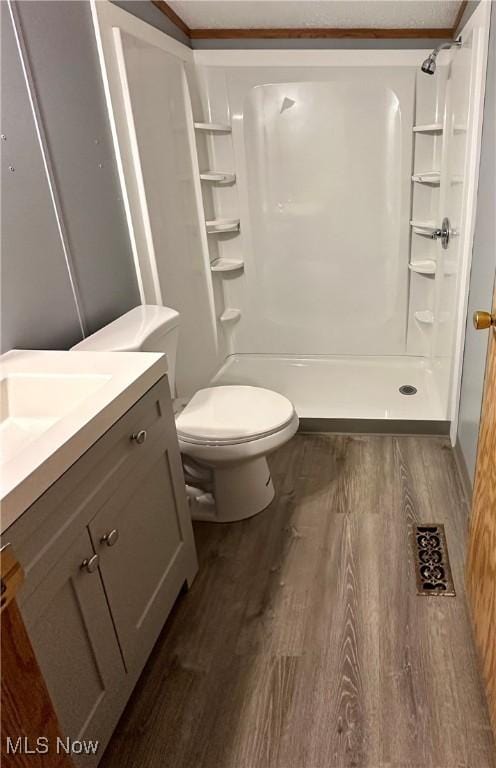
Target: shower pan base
x=342, y=387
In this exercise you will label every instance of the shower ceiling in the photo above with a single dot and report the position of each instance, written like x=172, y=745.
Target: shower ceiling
x=441, y=15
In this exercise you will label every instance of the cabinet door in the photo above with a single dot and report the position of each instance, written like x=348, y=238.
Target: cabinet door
x=152, y=554
x=70, y=627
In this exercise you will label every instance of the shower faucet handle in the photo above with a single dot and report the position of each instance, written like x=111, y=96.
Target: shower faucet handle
x=442, y=234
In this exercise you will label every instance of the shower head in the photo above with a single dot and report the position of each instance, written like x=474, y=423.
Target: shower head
x=429, y=65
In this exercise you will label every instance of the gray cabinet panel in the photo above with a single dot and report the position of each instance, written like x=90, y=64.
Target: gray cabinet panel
x=155, y=552
x=144, y=570
x=74, y=640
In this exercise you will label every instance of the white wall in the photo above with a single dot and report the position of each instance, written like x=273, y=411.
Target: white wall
x=160, y=118
x=323, y=157
x=145, y=73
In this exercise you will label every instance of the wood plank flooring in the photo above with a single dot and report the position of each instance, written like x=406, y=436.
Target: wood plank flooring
x=303, y=644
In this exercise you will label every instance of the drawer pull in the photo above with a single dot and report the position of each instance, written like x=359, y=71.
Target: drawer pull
x=90, y=564
x=110, y=538
x=139, y=437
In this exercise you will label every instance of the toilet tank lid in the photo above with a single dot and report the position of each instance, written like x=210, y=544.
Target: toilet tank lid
x=130, y=331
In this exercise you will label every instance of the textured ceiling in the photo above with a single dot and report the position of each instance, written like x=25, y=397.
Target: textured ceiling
x=242, y=14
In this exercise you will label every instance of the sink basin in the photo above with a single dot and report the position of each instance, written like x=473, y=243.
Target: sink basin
x=54, y=406
x=32, y=403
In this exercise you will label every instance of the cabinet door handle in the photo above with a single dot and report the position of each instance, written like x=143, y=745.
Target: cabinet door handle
x=90, y=564
x=110, y=538
x=139, y=437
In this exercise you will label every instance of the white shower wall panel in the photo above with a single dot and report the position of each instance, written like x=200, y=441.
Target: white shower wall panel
x=323, y=160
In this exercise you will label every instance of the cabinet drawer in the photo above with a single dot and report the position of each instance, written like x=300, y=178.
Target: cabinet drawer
x=48, y=527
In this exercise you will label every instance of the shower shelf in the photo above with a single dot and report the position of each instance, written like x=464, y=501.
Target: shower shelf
x=428, y=177
x=426, y=267
x=215, y=127
x=218, y=176
x=226, y=265
x=423, y=227
x=230, y=315
x=218, y=226
x=428, y=128
x=425, y=317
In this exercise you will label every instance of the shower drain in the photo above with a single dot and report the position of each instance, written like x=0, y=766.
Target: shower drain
x=408, y=389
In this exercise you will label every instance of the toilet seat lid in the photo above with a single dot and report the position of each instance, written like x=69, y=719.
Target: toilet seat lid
x=230, y=414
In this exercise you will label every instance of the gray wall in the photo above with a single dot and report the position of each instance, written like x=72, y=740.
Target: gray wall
x=469, y=9
x=318, y=43
x=38, y=307
x=146, y=11
x=482, y=274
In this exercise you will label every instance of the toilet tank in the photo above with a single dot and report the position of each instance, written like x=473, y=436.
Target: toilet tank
x=147, y=328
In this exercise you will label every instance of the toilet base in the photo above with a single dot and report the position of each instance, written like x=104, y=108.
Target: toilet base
x=239, y=491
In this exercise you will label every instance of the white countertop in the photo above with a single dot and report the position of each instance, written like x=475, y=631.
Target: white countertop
x=77, y=397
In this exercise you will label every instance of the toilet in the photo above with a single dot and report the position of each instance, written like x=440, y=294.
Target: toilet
x=224, y=432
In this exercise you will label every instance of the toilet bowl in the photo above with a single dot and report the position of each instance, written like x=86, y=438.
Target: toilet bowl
x=229, y=430
x=225, y=432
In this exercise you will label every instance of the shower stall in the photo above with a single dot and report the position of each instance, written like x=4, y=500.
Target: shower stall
x=289, y=203
x=324, y=159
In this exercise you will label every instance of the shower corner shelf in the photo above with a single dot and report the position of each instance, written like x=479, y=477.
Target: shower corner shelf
x=425, y=317
x=428, y=128
x=230, y=316
x=425, y=267
x=218, y=176
x=214, y=127
x=218, y=226
x=226, y=265
x=428, y=177
x=423, y=227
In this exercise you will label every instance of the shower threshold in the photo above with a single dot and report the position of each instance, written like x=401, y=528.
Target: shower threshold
x=343, y=388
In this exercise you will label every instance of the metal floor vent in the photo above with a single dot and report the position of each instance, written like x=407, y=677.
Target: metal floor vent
x=408, y=389
x=432, y=565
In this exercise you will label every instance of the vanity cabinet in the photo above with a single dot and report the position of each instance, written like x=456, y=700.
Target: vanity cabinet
x=106, y=551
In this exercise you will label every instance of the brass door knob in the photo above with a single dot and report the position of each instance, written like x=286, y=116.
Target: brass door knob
x=483, y=320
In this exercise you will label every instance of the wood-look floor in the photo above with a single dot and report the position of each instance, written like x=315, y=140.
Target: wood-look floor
x=303, y=644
